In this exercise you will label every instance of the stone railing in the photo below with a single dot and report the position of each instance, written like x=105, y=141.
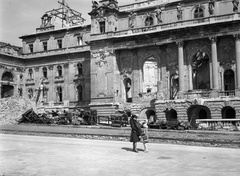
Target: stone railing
x=197, y=94
x=179, y=24
x=227, y=93
x=57, y=51
x=219, y=124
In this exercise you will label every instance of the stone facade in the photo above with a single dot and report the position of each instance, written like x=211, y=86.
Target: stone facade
x=170, y=59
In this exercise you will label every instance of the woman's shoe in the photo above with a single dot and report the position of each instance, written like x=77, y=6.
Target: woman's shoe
x=135, y=151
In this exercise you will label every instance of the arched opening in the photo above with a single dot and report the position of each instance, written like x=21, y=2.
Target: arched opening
x=7, y=90
x=174, y=86
x=171, y=115
x=198, y=13
x=150, y=76
x=202, y=114
x=148, y=114
x=128, y=89
x=228, y=113
x=201, y=71
x=229, y=80
x=149, y=21
x=198, y=112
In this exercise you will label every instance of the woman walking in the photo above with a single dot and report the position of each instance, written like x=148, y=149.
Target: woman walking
x=136, y=132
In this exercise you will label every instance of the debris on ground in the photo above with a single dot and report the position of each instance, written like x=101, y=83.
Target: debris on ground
x=12, y=108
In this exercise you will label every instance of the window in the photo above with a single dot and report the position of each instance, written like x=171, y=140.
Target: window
x=80, y=68
x=80, y=93
x=59, y=42
x=30, y=73
x=198, y=13
x=30, y=93
x=102, y=27
x=79, y=41
x=44, y=72
x=31, y=48
x=44, y=46
x=59, y=94
x=59, y=69
x=149, y=21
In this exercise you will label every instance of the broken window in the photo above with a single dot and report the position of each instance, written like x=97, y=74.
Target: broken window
x=79, y=41
x=150, y=76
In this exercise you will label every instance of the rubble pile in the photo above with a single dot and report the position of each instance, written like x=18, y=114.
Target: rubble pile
x=57, y=117
x=12, y=108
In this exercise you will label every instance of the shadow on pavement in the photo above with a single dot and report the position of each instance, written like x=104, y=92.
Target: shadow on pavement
x=130, y=149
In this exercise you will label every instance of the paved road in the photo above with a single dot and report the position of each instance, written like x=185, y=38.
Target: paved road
x=22, y=155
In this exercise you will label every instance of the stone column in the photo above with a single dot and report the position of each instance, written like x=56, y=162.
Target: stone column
x=214, y=67
x=237, y=48
x=181, y=68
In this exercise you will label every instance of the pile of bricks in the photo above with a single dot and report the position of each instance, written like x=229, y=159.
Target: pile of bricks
x=11, y=109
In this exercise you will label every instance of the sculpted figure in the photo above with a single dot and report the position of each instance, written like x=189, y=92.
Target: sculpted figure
x=235, y=5
x=179, y=11
x=211, y=5
x=159, y=15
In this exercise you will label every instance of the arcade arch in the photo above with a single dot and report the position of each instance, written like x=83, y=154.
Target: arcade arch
x=198, y=112
x=7, y=88
x=228, y=113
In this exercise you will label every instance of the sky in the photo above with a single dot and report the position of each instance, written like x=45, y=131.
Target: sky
x=21, y=17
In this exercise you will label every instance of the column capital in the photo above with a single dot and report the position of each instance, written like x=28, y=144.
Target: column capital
x=213, y=39
x=236, y=36
x=180, y=43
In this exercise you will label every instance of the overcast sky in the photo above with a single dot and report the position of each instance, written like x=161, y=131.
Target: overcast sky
x=21, y=17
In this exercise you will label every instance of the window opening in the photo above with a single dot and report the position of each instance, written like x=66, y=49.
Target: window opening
x=59, y=68
x=102, y=27
x=149, y=21
x=31, y=48
x=80, y=68
x=59, y=43
x=59, y=94
x=79, y=41
x=44, y=72
x=198, y=13
x=44, y=46
x=80, y=93
x=30, y=73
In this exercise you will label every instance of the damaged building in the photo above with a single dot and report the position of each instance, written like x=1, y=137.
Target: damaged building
x=166, y=59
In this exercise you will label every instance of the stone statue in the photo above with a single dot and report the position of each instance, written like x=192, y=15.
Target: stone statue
x=131, y=16
x=211, y=5
x=235, y=5
x=179, y=11
x=159, y=15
